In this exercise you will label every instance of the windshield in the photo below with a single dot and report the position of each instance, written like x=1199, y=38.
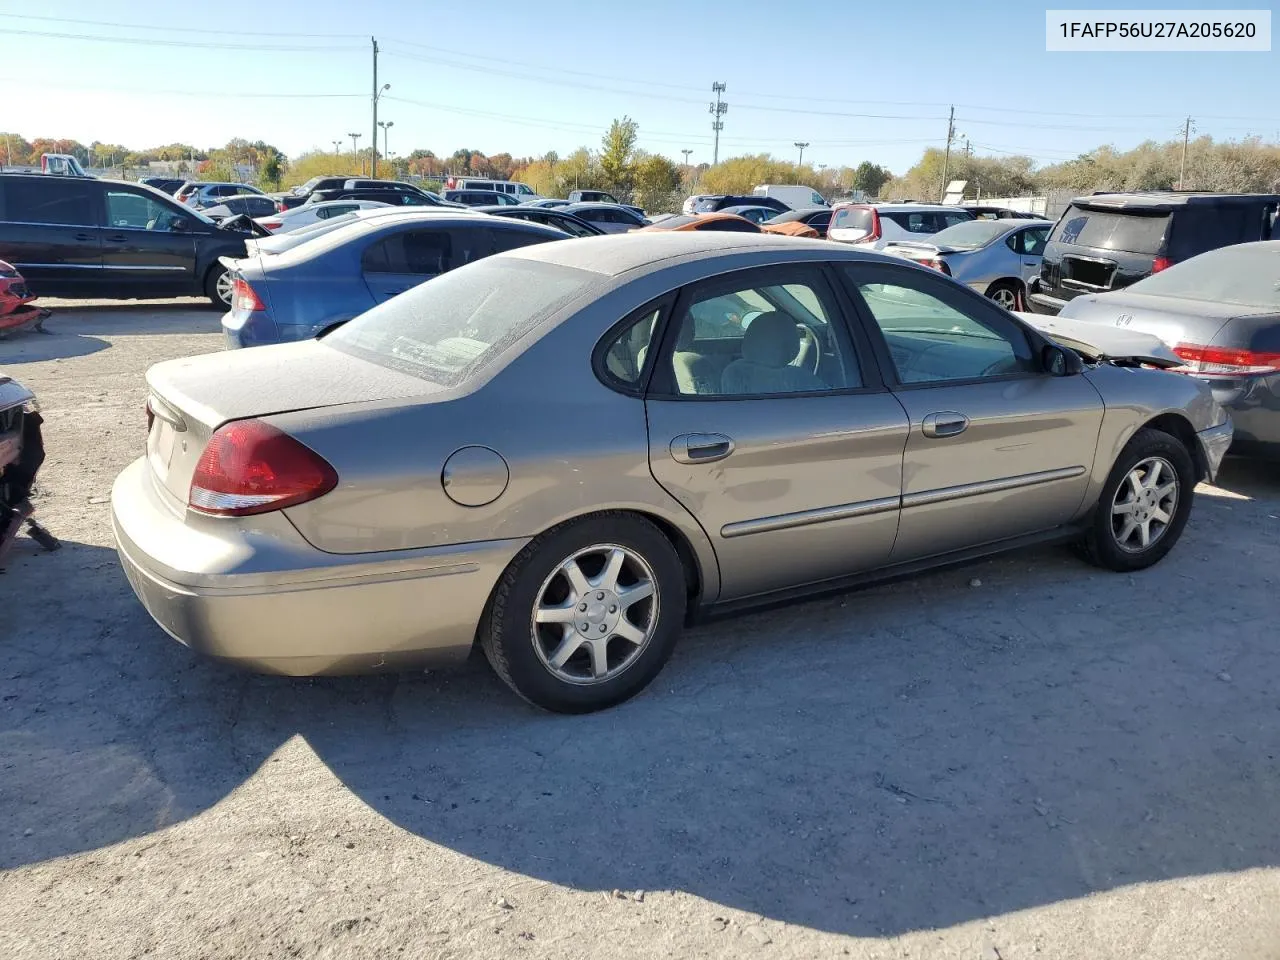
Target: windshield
x=307, y=187
x=970, y=235
x=1112, y=230
x=1248, y=274
x=449, y=328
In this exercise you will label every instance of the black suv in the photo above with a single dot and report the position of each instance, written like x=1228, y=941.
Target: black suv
x=717, y=202
x=1110, y=240
x=81, y=237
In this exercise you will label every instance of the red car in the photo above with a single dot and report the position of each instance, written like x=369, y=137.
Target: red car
x=16, y=310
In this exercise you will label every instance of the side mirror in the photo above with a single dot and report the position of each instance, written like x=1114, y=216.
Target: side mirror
x=179, y=224
x=1061, y=362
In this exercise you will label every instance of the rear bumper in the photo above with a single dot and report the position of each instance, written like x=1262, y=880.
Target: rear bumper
x=1043, y=303
x=1254, y=405
x=259, y=595
x=1214, y=443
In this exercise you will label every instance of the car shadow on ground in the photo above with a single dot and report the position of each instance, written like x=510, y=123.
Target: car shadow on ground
x=953, y=747
x=32, y=347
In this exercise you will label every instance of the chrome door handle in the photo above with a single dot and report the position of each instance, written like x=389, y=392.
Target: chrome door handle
x=701, y=447
x=945, y=424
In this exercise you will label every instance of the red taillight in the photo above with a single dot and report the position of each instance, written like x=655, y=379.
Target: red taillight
x=1160, y=263
x=875, y=227
x=244, y=297
x=251, y=467
x=939, y=265
x=271, y=224
x=280, y=207
x=151, y=415
x=1225, y=361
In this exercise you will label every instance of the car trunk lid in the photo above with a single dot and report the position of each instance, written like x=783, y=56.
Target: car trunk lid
x=190, y=398
x=1172, y=321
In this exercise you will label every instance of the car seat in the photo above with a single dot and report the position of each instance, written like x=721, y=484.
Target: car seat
x=768, y=347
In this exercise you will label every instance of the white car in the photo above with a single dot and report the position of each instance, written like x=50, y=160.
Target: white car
x=312, y=213
x=872, y=225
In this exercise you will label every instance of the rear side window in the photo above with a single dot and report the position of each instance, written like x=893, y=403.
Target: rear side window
x=1112, y=230
x=504, y=240
x=417, y=252
x=49, y=200
x=729, y=226
x=1200, y=228
x=914, y=222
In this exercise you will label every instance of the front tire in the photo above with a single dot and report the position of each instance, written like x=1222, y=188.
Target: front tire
x=587, y=614
x=217, y=286
x=1144, y=504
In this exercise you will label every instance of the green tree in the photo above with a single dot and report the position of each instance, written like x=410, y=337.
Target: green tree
x=616, y=152
x=272, y=168
x=870, y=177
x=657, y=182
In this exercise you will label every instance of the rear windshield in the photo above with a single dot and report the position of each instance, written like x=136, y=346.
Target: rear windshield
x=970, y=235
x=1248, y=275
x=1112, y=230
x=852, y=218
x=449, y=328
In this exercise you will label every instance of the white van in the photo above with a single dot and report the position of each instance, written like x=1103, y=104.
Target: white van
x=521, y=191
x=795, y=197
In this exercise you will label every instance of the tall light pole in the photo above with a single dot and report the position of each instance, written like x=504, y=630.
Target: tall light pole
x=386, y=151
x=800, y=146
x=336, y=145
x=354, y=137
x=686, y=153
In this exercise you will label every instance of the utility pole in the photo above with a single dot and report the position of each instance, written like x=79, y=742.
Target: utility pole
x=1182, y=169
x=946, y=159
x=373, y=144
x=686, y=153
x=800, y=146
x=718, y=110
x=354, y=151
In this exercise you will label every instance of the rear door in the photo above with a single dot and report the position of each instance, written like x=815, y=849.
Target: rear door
x=1028, y=244
x=768, y=422
x=997, y=447
x=49, y=230
x=140, y=247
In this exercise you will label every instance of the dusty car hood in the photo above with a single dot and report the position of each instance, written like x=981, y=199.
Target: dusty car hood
x=1097, y=342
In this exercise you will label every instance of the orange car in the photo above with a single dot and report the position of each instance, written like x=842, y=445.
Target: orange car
x=702, y=221
x=792, y=228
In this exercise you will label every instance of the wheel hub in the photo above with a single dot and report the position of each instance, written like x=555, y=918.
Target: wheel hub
x=598, y=614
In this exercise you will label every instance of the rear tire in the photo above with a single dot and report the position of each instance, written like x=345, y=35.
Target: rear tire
x=217, y=286
x=1150, y=487
x=540, y=631
x=1008, y=294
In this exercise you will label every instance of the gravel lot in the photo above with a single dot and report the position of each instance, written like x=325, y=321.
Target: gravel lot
x=1021, y=757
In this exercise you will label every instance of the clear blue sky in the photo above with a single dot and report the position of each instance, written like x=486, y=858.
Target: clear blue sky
x=857, y=80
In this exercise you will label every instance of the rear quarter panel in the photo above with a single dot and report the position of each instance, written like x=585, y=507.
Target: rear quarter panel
x=1133, y=397
x=310, y=296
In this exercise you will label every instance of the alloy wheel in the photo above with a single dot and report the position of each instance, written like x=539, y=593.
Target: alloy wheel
x=595, y=614
x=1007, y=297
x=1144, y=504
x=223, y=287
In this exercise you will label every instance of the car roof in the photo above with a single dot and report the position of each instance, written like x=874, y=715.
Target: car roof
x=1159, y=200
x=615, y=254
x=906, y=207
x=746, y=206
x=597, y=205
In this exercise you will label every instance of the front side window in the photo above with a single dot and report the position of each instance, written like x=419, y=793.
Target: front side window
x=761, y=339
x=935, y=332
x=727, y=226
x=515, y=239
x=137, y=211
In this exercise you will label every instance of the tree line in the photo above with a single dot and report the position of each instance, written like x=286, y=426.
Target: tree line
x=657, y=183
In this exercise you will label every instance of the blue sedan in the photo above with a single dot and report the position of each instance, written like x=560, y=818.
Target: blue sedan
x=313, y=287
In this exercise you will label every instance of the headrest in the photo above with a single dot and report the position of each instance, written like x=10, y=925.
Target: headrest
x=771, y=340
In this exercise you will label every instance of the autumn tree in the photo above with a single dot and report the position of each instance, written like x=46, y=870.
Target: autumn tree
x=657, y=182
x=616, y=152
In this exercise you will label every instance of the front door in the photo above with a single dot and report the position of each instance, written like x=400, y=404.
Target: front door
x=998, y=447
x=769, y=425
x=405, y=258
x=141, y=249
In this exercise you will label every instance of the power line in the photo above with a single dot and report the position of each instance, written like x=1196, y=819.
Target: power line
x=248, y=95
x=205, y=31
x=153, y=41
